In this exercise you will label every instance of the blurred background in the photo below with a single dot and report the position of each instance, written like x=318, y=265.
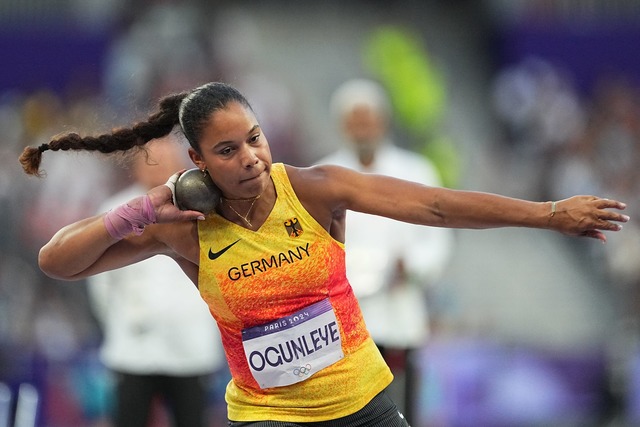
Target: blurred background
x=528, y=98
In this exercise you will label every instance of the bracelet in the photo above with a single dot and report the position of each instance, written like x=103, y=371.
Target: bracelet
x=553, y=208
x=130, y=217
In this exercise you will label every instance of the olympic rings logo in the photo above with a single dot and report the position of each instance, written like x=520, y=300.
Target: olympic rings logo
x=302, y=370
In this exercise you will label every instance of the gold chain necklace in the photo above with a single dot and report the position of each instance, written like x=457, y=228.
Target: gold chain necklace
x=245, y=218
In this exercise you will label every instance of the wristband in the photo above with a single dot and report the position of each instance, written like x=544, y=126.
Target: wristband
x=130, y=217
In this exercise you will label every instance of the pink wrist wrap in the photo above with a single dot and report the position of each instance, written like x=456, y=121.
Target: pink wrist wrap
x=130, y=217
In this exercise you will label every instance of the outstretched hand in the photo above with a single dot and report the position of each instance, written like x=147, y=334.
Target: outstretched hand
x=163, y=200
x=588, y=216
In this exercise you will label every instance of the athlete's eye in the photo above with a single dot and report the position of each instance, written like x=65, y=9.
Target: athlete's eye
x=226, y=151
x=255, y=138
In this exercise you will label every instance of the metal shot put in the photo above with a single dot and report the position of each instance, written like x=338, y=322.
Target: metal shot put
x=195, y=191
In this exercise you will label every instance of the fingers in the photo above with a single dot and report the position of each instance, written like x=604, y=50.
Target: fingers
x=610, y=204
x=595, y=234
x=600, y=215
x=608, y=221
x=190, y=216
x=613, y=216
x=171, y=183
x=609, y=226
x=171, y=213
x=610, y=218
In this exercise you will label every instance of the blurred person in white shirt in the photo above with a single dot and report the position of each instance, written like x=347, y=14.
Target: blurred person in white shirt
x=390, y=264
x=160, y=340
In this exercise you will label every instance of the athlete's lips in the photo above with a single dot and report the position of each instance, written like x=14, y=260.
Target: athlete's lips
x=251, y=178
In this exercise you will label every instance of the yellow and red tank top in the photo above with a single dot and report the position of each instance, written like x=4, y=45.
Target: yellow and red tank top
x=295, y=339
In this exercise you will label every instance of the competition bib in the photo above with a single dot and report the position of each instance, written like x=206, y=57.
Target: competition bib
x=291, y=349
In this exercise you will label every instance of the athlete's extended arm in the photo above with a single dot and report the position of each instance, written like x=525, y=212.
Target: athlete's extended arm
x=85, y=247
x=442, y=207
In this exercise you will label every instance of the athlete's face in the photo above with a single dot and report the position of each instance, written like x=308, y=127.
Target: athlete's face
x=235, y=152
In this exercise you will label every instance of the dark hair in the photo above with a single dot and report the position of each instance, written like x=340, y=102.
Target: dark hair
x=191, y=110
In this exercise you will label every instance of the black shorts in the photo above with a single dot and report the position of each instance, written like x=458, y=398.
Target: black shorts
x=379, y=412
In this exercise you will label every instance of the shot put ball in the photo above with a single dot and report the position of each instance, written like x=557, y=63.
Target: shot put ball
x=195, y=191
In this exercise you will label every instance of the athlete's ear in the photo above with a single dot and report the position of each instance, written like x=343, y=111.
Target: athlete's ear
x=197, y=160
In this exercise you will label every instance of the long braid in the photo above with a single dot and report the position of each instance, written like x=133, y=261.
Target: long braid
x=157, y=125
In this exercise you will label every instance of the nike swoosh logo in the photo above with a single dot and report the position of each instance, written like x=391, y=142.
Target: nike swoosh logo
x=216, y=255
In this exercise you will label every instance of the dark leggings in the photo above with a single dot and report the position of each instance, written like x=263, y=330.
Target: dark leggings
x=379, y=412
x=184, y=397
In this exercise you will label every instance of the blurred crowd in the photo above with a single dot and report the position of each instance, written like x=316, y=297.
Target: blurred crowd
x=563, y=141
x=49, y=336
x=577, y=143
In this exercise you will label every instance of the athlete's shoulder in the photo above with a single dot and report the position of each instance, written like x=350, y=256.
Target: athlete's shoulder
x=317, y=178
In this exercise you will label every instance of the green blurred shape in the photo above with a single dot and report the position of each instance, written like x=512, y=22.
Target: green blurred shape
x=417, y=88
x=442, y=152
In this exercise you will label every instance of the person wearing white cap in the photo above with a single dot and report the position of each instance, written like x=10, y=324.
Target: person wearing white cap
x=390, y=264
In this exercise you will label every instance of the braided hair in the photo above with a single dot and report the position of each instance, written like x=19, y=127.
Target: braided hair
x=190, y=110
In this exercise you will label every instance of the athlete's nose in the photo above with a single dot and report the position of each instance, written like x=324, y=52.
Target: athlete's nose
x=249, y=157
